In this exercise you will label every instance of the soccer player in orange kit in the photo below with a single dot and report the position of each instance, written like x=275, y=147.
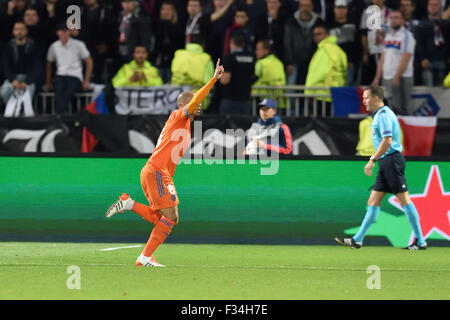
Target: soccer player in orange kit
x=156, y=175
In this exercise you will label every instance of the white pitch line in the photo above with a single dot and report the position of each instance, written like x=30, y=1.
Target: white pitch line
x=126, y=247
x=311, y=268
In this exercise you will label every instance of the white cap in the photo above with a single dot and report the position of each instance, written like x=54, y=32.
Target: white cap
x=340, y=3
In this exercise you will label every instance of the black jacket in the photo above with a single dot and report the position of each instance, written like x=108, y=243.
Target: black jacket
x=138, y=31
x=168, y=38
x=273, y=32
x=30, y=63
x=299, y=45
x=96, y=28
x=426, y=48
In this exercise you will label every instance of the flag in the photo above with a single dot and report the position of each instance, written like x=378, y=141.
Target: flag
x=418, y=135
x=97, y=106
x=347, y=100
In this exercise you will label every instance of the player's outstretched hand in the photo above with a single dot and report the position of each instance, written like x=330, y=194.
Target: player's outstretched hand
x=219, y=70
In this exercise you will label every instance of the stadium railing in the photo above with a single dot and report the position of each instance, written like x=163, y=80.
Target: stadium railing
x=44, y=102
x=291, y=98
x=294, y=101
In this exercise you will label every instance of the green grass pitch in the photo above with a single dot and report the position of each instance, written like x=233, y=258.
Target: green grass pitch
x=35, y=270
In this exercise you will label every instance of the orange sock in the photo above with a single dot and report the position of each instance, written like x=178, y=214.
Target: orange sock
x=159, y=234
x=146, y=212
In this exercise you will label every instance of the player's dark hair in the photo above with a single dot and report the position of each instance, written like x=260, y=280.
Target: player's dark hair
x=376, y=91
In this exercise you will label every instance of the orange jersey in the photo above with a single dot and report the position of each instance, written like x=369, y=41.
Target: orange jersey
x=174, y=140
x=175, y=137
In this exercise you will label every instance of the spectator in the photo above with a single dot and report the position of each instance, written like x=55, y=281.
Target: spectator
x=169, y=37
x=269, y=134
x=15, y=11
x=21, y=63
x=348, y=38
x=323, y=8
x=96, y=33
x=198, y=23
x=328, y=67
x=269, y=70
x=298, y=42
x=433, y=36
x=407, y=8
x=56, y=10
x=242, y=27
x=396, y=65
x=237, y=79
x=153, y=8
x=421, y=9
x=134, y=28
x=356, y=9
x=372, y=41
x=54, y=14
x=69, y=55
x=221, y=18
x=271, y=26
x=254, y=8
x=192, y=65
x=37, y=30
x=139, y=72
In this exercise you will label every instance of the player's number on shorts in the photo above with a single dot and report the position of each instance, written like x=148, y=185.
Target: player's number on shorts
x=171, y=188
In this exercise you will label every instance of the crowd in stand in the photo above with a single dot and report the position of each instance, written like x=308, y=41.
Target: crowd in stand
x=260, y=42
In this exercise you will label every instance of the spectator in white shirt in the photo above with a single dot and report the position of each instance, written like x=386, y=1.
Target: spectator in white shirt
x=69, y=55
x=396, y=64
x=372, y=39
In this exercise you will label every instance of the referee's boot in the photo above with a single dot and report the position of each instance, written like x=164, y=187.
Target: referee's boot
x=119, y=206
x=414, y=246
x=348, y=242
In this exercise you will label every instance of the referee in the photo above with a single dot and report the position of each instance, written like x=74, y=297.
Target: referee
x=391, y=173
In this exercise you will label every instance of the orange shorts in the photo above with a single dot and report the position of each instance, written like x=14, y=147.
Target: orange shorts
x=158, y=188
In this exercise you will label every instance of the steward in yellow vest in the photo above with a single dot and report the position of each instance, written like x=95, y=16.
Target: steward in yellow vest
x=139, y=72
x=269, y=71
x=192, y=66
x=328, y=66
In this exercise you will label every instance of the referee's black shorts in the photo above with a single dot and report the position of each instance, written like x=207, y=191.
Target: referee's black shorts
x=391, y=174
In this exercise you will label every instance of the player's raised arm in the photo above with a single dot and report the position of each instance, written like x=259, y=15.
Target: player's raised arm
x=203, y=91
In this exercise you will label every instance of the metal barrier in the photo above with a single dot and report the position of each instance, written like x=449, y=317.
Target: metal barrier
x=295, y=101
x=44, y=102
x=293, y=98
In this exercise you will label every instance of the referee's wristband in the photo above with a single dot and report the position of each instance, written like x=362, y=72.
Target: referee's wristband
x=373, y=159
